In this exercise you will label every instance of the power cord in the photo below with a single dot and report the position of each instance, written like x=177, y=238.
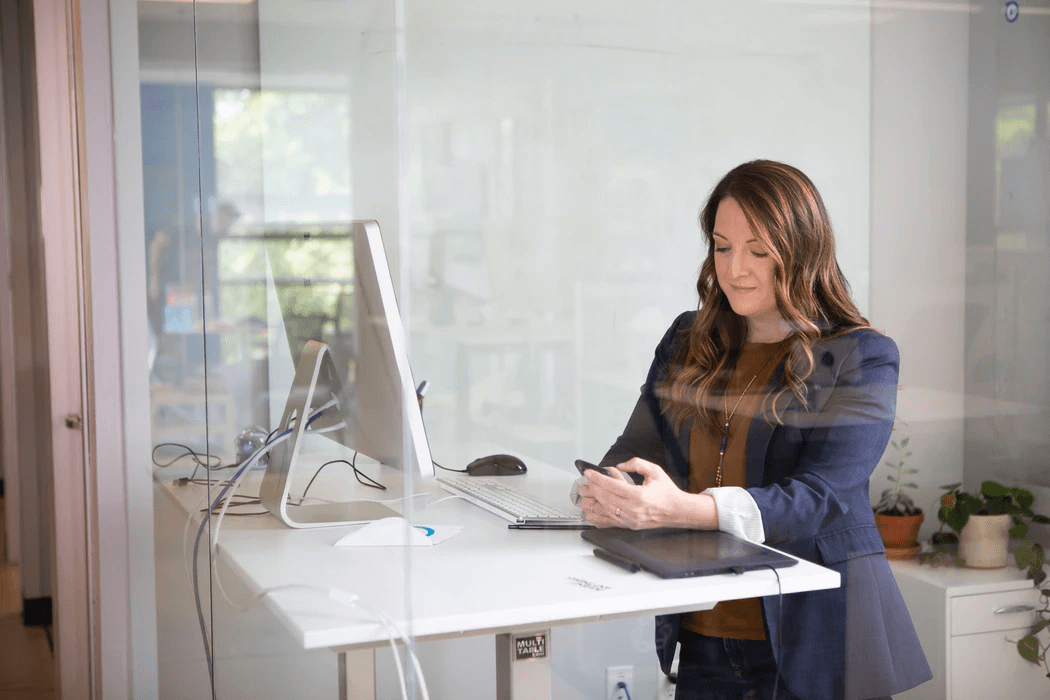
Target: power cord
x=623, y=686
x=357, y=474
x=222, y=502
x=231, y=483
x=199, y=460
x=458, y=471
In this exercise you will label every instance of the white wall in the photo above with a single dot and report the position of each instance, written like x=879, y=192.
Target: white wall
x=920, y=66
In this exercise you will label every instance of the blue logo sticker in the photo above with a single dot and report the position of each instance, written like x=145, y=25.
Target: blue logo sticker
x=1012, y=11
x=424, y=528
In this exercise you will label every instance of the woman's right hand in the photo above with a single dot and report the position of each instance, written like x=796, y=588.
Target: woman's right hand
x=657, y=502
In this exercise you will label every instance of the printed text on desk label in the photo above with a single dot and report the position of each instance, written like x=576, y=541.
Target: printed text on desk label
x=588, y=584
x=533, y=646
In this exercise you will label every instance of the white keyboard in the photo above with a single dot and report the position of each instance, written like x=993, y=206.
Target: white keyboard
x=504, y=500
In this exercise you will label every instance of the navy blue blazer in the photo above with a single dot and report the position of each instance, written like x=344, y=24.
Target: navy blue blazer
x=810, y=480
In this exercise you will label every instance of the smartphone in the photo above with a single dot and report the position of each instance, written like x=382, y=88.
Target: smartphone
x=584, y=465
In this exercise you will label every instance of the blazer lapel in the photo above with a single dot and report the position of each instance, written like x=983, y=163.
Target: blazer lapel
x=682, y=457
x=759, y=435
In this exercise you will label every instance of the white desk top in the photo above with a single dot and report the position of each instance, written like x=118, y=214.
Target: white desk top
x=485, y=580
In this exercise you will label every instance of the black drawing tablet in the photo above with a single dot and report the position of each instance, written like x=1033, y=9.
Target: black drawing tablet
x=680, y=553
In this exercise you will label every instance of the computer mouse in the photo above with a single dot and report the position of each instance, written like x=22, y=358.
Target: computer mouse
x=496, y=465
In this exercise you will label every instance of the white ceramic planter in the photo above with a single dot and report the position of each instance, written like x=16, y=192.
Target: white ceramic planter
x=983, y=542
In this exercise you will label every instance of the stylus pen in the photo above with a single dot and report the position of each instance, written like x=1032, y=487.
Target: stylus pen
x=549, y=526
x=621, y=562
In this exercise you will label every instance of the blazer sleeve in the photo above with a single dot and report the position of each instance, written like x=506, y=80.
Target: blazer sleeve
x=843, y=440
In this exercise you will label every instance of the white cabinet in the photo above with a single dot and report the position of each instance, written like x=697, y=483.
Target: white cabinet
x=969, y=621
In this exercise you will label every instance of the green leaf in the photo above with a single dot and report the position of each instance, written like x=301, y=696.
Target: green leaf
x=950, y=487
x=1039, y=627
x=1025, y=499
x=1041, y=519
x=955, y=519
x=969, y=505
x=904, y=442
x=993, y=489
x=1019, y=531
x=1029, y=649
x=1029, y=556
x=911, y=471
x=911, y=484
x=939, y=538
x=891, y=477
x=1025, y=556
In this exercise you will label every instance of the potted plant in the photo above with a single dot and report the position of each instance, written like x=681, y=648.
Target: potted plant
x=896, y=515
x=983, y=524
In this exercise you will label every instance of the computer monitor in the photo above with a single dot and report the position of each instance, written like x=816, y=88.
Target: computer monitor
x=366, y=401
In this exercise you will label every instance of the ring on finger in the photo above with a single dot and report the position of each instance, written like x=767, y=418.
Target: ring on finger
x=617, y=512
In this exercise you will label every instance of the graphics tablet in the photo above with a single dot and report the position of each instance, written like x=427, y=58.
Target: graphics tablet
x=680, y=553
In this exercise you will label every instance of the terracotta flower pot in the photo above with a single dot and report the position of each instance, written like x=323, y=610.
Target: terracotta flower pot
x=900, y=534
x=983, y=542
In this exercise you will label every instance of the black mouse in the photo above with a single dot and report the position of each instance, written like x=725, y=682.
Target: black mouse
x=496, y=465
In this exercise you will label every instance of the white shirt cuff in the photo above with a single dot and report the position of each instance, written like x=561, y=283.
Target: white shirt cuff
x=738, y=513
x=574, y=491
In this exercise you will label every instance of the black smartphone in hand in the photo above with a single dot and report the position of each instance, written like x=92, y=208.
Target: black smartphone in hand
x=584, y=465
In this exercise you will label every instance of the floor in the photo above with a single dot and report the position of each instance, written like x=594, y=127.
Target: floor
x=26, y=666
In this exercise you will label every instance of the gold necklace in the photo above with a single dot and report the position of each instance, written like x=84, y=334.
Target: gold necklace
x=729, y=416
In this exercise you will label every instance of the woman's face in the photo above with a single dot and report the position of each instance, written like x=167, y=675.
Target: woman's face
x=743, y=267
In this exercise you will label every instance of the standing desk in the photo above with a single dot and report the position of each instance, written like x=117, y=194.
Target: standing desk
x=515, y=584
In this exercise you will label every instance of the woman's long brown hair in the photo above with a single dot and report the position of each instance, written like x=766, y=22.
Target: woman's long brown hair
x=786, y=214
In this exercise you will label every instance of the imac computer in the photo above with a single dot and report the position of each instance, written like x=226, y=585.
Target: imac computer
x=352, y=383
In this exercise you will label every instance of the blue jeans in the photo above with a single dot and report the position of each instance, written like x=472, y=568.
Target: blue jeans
x=714, y=668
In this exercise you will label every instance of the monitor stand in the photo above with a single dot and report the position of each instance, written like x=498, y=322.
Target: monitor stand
x=316, y=383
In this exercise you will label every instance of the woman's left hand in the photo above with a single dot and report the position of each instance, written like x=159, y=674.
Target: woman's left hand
x=612, y=502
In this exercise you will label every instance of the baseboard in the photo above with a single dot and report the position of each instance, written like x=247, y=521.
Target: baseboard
x=36, y=612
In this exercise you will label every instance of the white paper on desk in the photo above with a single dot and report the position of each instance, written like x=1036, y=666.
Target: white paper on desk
x=398, y=532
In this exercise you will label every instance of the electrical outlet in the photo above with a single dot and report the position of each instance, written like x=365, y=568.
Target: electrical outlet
x=614, y=675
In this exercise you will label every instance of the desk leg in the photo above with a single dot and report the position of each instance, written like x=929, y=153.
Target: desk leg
x=357, y=674
x=523, y=665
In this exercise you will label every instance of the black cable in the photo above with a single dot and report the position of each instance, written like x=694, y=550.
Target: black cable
x=623, y=686
x=198, y=459
x=358, y=474
x=458, y=471
x=780, y=628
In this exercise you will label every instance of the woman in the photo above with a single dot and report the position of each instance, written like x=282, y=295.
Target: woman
x=763, y=415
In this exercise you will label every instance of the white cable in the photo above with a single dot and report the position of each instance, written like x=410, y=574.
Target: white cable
x=351, y=600
x=186, y=539
x=236, y=485
x=449, y=498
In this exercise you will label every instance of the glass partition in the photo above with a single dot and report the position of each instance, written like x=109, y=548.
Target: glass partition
x=536, y=170
x=1008, y=215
